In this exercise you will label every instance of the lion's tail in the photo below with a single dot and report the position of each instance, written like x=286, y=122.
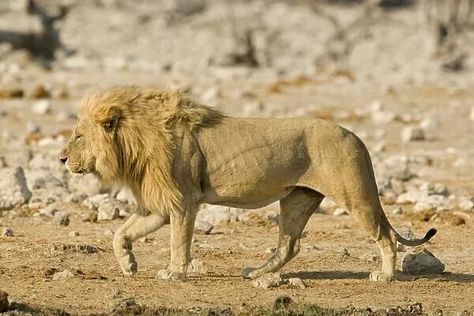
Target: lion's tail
x=417, y=241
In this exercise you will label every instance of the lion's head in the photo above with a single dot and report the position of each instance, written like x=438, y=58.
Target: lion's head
x=94, y=144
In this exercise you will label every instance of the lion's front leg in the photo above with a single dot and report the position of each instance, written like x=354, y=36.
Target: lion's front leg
x=182, y=226
x=135, y=227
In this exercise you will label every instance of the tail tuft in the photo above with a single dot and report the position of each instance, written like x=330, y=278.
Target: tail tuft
x=430, y=234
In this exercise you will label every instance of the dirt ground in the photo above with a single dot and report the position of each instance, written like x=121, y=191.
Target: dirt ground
x=118, y=43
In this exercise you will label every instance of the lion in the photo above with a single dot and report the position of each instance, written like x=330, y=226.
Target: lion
x=175, y=154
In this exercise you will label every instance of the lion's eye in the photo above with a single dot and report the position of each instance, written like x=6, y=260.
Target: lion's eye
x=77, y=137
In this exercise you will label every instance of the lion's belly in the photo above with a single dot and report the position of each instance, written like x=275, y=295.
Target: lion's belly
x=260, y=166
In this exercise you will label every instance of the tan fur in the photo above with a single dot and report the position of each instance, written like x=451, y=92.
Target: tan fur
x=175, y=154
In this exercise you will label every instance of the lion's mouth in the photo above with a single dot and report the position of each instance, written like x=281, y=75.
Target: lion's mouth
x=75, y=169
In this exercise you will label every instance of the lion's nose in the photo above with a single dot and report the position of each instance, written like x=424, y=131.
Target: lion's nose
x=63, y=159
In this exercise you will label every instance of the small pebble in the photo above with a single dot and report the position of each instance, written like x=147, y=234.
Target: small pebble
x=339, y=212
x=268, y=281
x=64, y=275
x=296, y=282
x=397, y=211
x=7, y=232
x=108, y=232
x=412, y=133
x=202, y=227
x=74, y=234
x=41, y=107
x=61, y=218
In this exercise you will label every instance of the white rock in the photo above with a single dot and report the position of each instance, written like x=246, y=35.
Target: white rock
x=397, y=211
x=327, y=204
x=203, y=227
x=433, y=202
x=382, y=117
x=421, y=261
x=269, y=280
x=61, y=218
x=434, y=188
x=13, y=188
x=125, y=196
x=197, y=266
x=339, y=212
x=214, y=214
x=41, y=107
x=62, y=276
x=74, y=233
x=411, y=197
x=296, y=282
x=108, y=232
x=412, y=133
x=395, y=167
x=32, y=127
x=95, y=201
x=466, y=204
x=109, y=210
x=210, y=95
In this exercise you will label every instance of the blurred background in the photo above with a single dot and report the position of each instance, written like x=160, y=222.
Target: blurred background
x=399, y=73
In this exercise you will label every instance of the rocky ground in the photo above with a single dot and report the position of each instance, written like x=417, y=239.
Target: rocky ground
x=382, y=79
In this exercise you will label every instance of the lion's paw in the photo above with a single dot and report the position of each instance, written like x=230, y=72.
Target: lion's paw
x=166, y=274
x=378, y=276
x=128, y=265
x=252, y=273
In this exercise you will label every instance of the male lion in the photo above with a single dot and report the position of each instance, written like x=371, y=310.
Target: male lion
x=175, y=154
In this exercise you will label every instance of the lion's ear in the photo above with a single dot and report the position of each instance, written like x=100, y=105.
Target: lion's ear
x=111, y=120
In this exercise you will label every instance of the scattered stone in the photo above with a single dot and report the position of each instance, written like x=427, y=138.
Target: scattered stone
x=39, y=92
x=41, y=107
x=214, y=214
x=397, y=211
x=4, y=301
x=203, y=227
x=32, y=127
x=412, y=133
x=74, y=234
x=89, y=217
x=269, y=280
x=13, y=188
x=7, y=232
x=434, y=188
x=466, y=204
x=432, y=203
x=421, y=261
x=125, y=196
x=339, y=212
x=95, y=201
x=296, y=282
x=395, y=167
x=327, y=204
x=108, y=232
x=63, y=275
x=61, y=218
x=109, y=210
x=198, y=267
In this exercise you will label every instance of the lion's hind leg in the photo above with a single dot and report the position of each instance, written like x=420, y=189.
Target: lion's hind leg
x=135, y=227
x=295, y=210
